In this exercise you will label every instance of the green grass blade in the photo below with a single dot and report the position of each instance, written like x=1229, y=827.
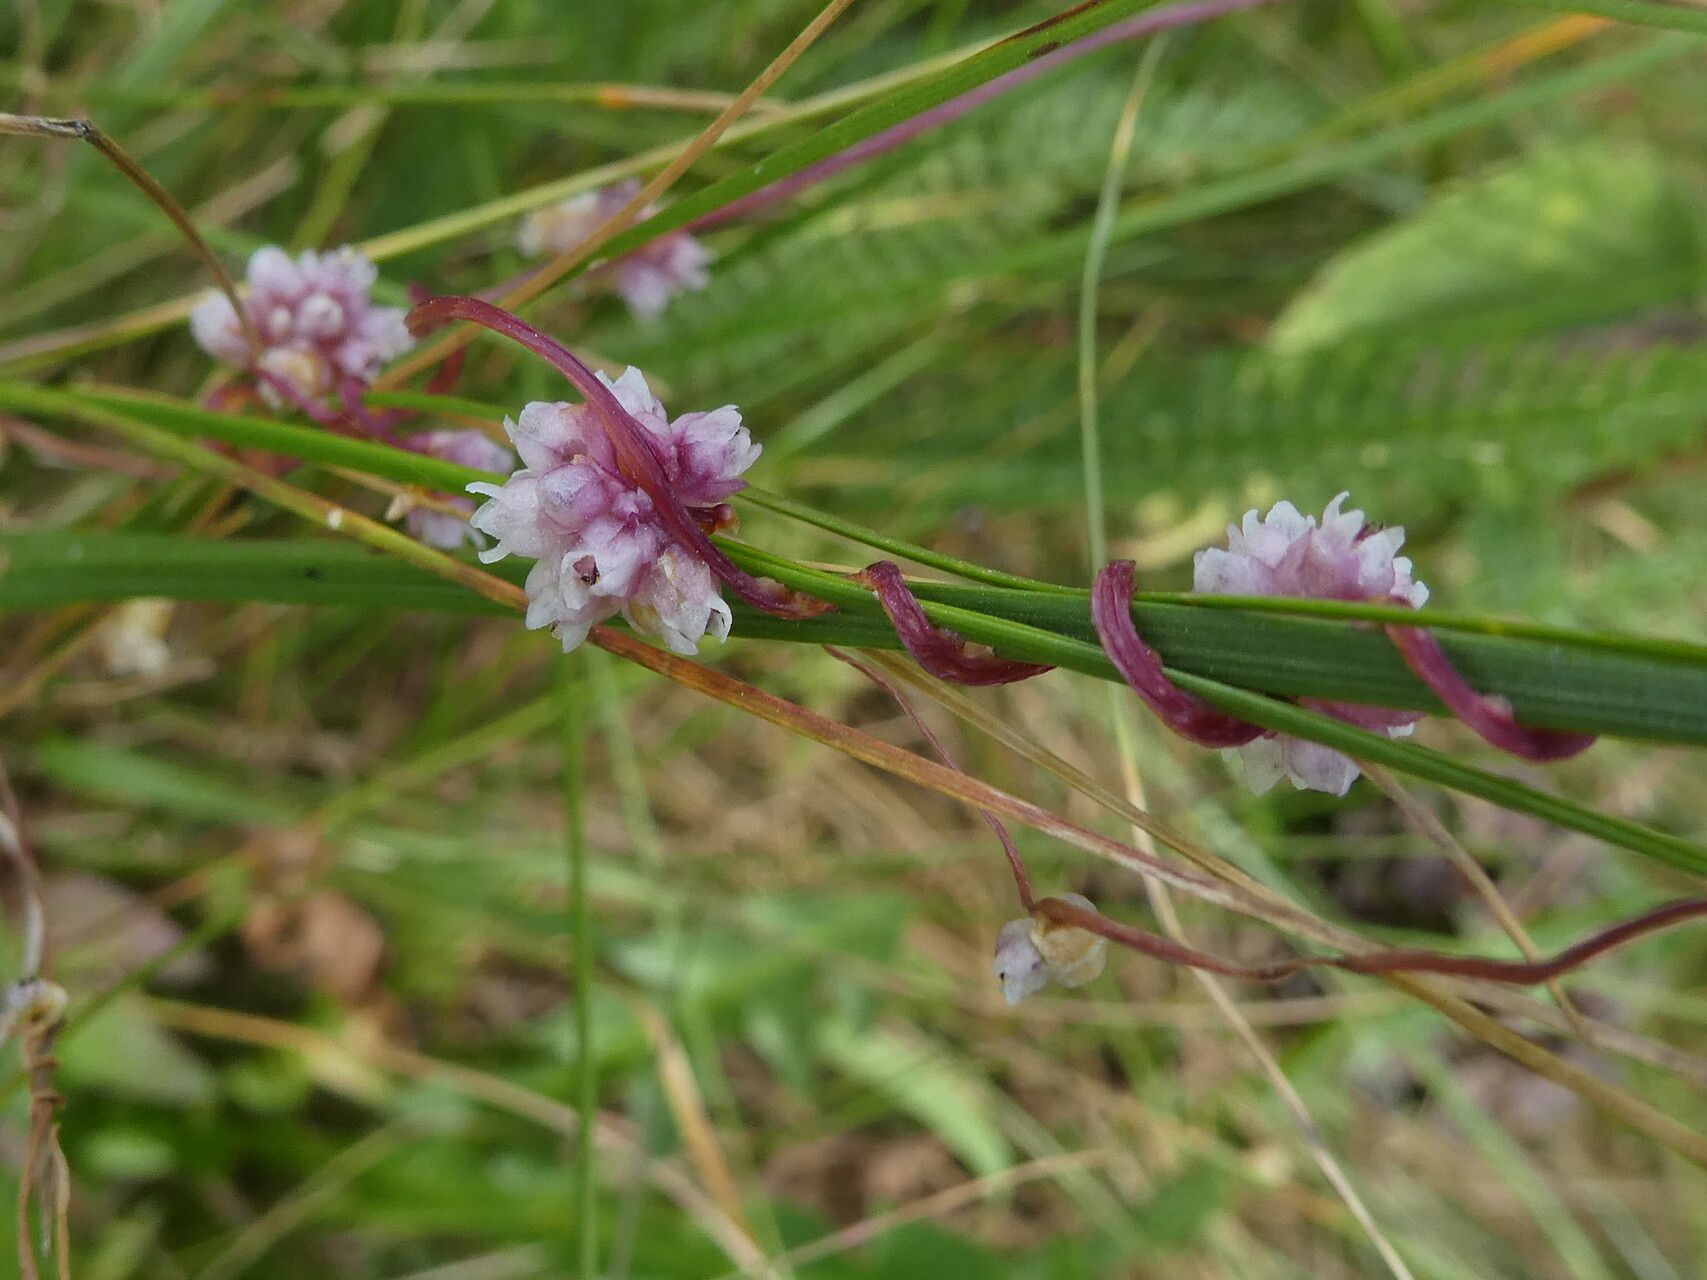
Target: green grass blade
x=1677, y=15
x=145, y=565
x=1561, y=686
x=571, y=682
x=1002, y=57
x=1311, y=168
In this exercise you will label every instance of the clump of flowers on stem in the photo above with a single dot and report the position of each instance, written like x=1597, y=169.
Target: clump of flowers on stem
x=1340, y=557
x=1286, y=553
x=600, y=544
x=317, y=328
x=645, y=278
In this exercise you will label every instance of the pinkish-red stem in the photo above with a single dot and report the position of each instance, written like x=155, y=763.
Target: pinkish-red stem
x=1016, y=864
x=377, y=425
x=443, y=381
x=943, y=653
x=1489, y=717
x=1397, y=960
x=315, y=410
x=1141, y=667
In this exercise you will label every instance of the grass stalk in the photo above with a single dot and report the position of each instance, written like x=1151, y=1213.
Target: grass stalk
x=572, y=706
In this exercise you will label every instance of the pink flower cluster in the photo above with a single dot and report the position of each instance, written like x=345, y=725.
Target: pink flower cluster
x=648, y=277
x=1286, y=553
x=316, y=325
x=600, y=545
x=473, y=449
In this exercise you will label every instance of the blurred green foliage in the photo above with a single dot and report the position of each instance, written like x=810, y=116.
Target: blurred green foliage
x=306, y=883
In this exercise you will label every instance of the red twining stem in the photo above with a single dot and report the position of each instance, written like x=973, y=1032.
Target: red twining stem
x=1489, y=717
x=944, y=654
x=1141, y=667
x=634, y=455
x=1397, y=960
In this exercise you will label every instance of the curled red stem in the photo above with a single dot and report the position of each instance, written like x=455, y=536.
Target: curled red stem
x=633, y=453
x=1487, y=716
x=1141, y=667
x=1396, y=960
x=943, y=653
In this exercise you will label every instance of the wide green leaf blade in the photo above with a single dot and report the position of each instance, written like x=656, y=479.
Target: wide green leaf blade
x=1563, y=236
x=1560, y=685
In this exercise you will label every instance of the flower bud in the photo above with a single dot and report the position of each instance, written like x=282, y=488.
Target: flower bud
x=1033, y=951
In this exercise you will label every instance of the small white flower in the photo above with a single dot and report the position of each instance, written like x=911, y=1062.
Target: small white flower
x=132, y=640
x=1286, y=553
x=1019, y=964
x=1309, y=766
